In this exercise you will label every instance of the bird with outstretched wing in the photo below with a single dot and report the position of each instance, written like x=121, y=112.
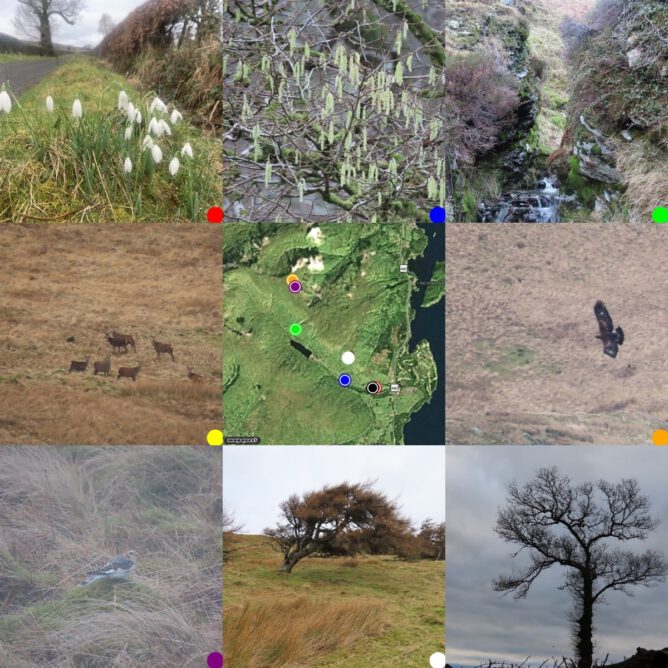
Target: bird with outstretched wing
x=610, y=338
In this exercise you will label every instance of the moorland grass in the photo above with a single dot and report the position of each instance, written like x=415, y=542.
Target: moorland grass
x=56, y=167
x=328, y=613
x=63, y=510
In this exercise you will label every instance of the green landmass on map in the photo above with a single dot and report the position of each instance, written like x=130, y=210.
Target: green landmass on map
x=353, y=298
x=436, y=288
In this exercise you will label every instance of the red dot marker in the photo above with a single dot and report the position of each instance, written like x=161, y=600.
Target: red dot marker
x=215, y=215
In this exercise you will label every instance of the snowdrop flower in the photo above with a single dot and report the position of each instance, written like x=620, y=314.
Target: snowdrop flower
x=158, y=104
x=165, y=127
x=154, y=127
x=175, y=117
x=127, y=166
x=132, y=112
x=128, y=133
x=5, y=101
x=174, y=166
x=156, y=153
x=147, y=143
x=123, y=100
x=77, y=110
x=49, y=104
x=138, y=117
x=187, y=150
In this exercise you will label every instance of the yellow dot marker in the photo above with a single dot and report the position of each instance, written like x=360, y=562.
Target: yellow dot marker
x=215, y=437
x=660, y=437
x=290, y=278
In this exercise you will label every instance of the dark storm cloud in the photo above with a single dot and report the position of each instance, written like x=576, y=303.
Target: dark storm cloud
x=481, y=623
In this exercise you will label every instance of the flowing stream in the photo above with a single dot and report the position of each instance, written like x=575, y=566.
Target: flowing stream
x=540, y=204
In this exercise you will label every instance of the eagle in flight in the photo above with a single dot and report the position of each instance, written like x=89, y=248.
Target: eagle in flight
x=611, y=339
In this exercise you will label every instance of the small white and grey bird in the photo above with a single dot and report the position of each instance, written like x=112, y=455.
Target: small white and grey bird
x=118, y=568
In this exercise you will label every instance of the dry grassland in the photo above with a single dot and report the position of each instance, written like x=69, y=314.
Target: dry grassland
x=146, y=280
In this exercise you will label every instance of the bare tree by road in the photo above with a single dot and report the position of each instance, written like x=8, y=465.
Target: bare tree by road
x=569, y=525
x=34, y=18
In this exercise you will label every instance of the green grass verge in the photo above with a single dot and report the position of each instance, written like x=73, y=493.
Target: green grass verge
x=57, y=167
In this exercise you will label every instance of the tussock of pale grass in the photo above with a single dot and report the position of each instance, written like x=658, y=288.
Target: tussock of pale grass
x=278, y=632
x=64, y=509
x=645, y=176
x=150, y=281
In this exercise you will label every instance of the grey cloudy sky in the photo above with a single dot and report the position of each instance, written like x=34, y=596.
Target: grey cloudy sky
x=481, y=624
x=257, y=479
x=84, y=31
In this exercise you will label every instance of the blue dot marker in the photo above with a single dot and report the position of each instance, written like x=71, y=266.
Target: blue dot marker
x=345, y=380
x=437, y=215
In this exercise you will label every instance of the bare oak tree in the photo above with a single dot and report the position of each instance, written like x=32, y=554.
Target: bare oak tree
x=106, y=24
x=33, y=18
x=342, y=519
x=570, y=525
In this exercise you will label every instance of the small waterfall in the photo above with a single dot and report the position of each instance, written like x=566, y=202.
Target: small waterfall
x=540, y=204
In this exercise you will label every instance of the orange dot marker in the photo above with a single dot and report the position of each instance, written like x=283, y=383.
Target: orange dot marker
x=291, y=277
x=660, y=437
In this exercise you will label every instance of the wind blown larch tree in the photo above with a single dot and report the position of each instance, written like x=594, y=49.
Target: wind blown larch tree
x=342, y=519
x=566, y=525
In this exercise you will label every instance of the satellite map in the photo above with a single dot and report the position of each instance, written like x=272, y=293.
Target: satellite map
x=333, y=333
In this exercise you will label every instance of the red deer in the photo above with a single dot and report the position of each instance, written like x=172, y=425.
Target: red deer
x=129, y=341
x=195, y=377
x=163, y=348
x=79, y=366
x=102, y=367
x=128, y=372
x=115, y=342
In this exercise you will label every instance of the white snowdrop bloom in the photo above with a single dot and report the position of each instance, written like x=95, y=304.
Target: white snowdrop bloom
x=165, y=127
x=174, y=166
x=158, y=105
x=128, y=133
x=156, y=153
x=5, y=101
x=175, y=117
x=138, y=117
x=132, y=112
x=49, y=103
x=154, y=127
x=187, y=150
x=127, y=166
x=77, y=109
x=148, y=142
x=123, y=100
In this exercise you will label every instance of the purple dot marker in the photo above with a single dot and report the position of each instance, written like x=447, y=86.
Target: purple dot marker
x=295, y=286
x=215, y=660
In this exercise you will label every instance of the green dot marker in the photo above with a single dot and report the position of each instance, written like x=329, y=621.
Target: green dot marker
x=660, y=214
x=295, y=329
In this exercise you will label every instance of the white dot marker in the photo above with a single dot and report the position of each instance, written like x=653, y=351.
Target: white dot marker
x=348, y=357
x=437, y=660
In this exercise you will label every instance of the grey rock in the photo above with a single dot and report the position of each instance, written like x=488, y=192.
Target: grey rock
x=594, y=168
x=634, y=56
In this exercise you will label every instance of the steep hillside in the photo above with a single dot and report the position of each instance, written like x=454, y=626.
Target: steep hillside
x=556, y=111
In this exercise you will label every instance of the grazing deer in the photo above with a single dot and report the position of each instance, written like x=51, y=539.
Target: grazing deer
x=195, y=377
x=102, y=367
x=163, y=348
x=129, y=341
x=79, y=366
x=128, y=372
x=117, y=343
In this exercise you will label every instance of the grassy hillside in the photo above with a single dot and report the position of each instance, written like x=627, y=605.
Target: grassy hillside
x=367, y=612
x=56, y=167
x=62, y=281
x=64, y=511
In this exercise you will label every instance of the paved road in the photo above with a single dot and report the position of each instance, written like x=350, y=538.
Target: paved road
x=22, y=74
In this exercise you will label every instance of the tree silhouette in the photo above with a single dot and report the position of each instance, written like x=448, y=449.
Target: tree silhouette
x=338, y=520
x=567, y=525
x=33, y=18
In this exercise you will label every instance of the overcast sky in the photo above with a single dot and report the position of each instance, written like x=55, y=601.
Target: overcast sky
x=481, y=624
x=257, y=478
x=84, y=31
